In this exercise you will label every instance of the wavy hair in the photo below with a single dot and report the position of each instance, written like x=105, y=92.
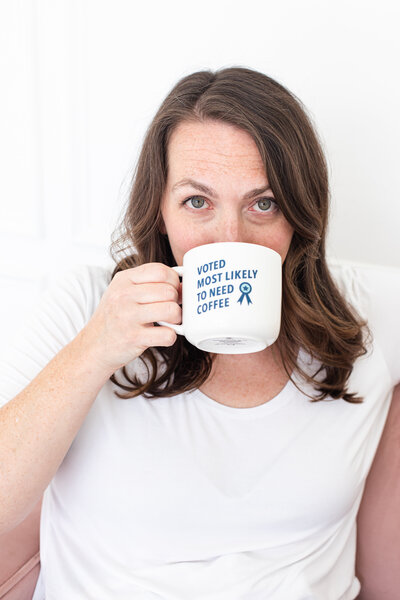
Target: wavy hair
x=315, y=315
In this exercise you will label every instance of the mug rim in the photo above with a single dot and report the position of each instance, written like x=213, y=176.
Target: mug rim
x=236, y=244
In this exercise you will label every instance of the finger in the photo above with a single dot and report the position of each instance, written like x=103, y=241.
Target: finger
x=150, y=273
x=147, y=293
x=158, y=336
x=159, y=311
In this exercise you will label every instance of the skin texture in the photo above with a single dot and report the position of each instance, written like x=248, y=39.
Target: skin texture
x=226, y=159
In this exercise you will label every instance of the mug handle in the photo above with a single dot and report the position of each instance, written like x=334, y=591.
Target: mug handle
x=178, y=328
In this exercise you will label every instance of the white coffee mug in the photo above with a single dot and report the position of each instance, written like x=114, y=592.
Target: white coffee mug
x=231, y=297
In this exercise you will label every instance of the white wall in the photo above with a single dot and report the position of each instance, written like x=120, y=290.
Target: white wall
x=82, y=79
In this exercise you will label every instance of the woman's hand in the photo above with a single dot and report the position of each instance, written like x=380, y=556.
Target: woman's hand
x=122, y=327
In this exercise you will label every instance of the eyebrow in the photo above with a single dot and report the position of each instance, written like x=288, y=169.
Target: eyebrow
x=210, y=192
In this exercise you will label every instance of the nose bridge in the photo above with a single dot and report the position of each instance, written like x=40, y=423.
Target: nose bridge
x=230, y=225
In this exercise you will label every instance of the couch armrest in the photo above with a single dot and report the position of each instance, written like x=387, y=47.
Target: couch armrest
x=19, y=558
x=378, y=521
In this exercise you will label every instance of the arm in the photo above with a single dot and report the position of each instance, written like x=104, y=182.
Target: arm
x=378, y=521
x=38, y=426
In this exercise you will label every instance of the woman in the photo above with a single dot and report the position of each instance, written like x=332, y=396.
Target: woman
x=171, y=473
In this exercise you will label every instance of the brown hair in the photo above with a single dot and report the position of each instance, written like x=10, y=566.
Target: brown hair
x=315, y=315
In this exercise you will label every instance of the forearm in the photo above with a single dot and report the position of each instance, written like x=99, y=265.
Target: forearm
x=38, y=426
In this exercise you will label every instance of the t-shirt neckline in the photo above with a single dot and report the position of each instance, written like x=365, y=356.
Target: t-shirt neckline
x=272, y=405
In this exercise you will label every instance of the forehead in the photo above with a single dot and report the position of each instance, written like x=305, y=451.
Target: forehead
x=212, y=147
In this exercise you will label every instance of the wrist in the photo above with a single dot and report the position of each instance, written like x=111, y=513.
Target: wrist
x=93, y=357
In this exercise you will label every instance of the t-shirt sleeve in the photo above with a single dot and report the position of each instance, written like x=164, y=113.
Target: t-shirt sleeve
x=61, y=311
x=374, y=290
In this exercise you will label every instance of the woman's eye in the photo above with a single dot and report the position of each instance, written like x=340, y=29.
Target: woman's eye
x=264, y=204
x=195, y=202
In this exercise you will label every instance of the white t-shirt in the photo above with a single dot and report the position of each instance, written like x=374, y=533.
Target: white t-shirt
x=184, y=498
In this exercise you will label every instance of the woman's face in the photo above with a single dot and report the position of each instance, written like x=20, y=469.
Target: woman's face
x=228, y=198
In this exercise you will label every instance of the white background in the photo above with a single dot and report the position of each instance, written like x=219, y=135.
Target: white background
x=82, y=79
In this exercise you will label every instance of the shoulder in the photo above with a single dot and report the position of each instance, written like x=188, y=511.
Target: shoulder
x=66, y=302
x=81, y=285
x=374, y=291
x=84, y=276
x=350, y=279
x=367, y=285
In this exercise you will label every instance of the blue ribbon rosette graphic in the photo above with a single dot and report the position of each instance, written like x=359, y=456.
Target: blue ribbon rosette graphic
x=245, y=288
